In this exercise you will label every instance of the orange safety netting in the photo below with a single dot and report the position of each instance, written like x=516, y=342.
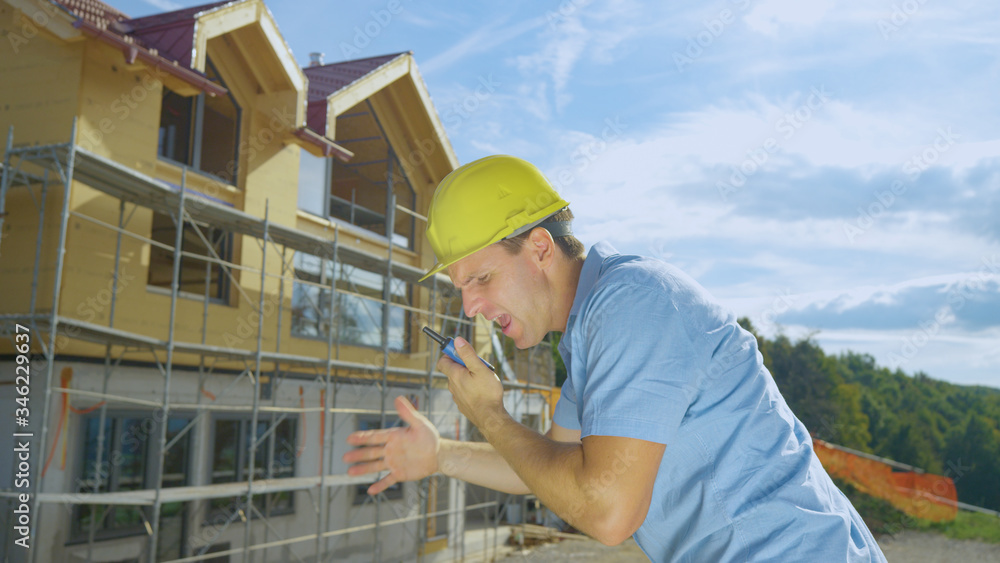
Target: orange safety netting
x=551, y=397
x=923, y=495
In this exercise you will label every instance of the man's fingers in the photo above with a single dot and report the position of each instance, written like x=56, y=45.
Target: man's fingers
x=366, y=468
x=363, y=454
x=369, y=437
x=446, y=365
x=407, y=413
x=466, y=352
x=382, y=484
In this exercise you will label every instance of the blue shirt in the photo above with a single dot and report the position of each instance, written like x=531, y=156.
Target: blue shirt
x=650, y=355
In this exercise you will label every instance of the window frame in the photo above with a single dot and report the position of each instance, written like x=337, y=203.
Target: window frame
x=196, y=131
x=374, y=422
x=323, y=275
x=224, y=245
x=78, y=531
x=395, y=176
x=214, y=507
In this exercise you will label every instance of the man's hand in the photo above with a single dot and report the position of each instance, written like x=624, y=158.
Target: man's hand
x=477, y=391
x=408, y=453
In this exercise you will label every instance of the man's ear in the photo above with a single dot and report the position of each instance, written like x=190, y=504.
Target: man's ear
x=542, y=247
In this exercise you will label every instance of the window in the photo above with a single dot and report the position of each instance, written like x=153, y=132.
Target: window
x=128, y=463
x=357, y=316
x=363, y=200
x=201, y=131
x=275, y=459
x=313, y=174
x=395, y=492
x=197, y=277
x=358, y=192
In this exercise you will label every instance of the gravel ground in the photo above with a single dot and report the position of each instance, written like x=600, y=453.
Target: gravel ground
x=906, y=547
x=580, y=550
x=916, y=547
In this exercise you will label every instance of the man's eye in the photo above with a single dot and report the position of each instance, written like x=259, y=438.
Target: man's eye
x=483, y=279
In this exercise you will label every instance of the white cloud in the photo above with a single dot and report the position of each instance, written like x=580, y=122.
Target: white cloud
x=165, y=5
x=479, y=41
x=769, y=16
x=557, y=57
x=960, y=357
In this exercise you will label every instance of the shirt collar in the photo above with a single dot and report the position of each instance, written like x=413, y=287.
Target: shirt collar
x=589, y=273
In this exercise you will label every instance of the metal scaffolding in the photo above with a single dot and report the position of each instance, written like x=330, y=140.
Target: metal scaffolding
x=42, y=169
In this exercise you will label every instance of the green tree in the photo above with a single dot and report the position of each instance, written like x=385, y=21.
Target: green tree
x=973, y=454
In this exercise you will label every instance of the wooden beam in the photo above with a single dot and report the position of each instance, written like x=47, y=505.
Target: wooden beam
x=367, y=86
x=451, y=160
x=219, y=22
x=241, y=46
x=296, y=77
x=42, y=14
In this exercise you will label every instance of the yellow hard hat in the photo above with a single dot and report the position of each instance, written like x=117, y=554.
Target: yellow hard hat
x=484, y=202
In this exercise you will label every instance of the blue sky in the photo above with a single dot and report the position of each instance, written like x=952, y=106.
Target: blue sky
x=828, y=168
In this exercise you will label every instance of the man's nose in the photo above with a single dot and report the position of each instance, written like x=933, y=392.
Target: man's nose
x=471, y=304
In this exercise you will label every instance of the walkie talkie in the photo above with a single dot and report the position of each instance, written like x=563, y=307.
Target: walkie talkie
x=448, y=347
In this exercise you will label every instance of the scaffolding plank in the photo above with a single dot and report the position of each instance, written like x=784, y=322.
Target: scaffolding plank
x=129, y=185
x=221, y=490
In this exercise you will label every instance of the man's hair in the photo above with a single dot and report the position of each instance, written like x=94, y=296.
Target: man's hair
x=570, y=245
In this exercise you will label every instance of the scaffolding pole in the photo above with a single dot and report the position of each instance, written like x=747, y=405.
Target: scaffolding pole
x=323, y=508
x=175, y=287
x=386, y=316
x=102, y=418
x=5, y=180
x=50, y=353
x=251, y=467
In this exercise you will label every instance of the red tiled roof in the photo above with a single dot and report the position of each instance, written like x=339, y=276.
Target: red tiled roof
x=93, y=11
x=327, y=79
x=170, y=33
x=97, y=19
x=170, y=18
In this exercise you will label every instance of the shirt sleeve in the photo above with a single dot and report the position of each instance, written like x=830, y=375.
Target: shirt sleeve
x=641, y=366
x=566, y=414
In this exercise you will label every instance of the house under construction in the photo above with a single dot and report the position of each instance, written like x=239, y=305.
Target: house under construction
x=212, y=256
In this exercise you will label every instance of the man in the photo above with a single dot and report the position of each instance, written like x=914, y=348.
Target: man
x=668, y=428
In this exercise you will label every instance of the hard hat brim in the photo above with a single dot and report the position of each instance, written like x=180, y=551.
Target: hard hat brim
x=547, y=212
